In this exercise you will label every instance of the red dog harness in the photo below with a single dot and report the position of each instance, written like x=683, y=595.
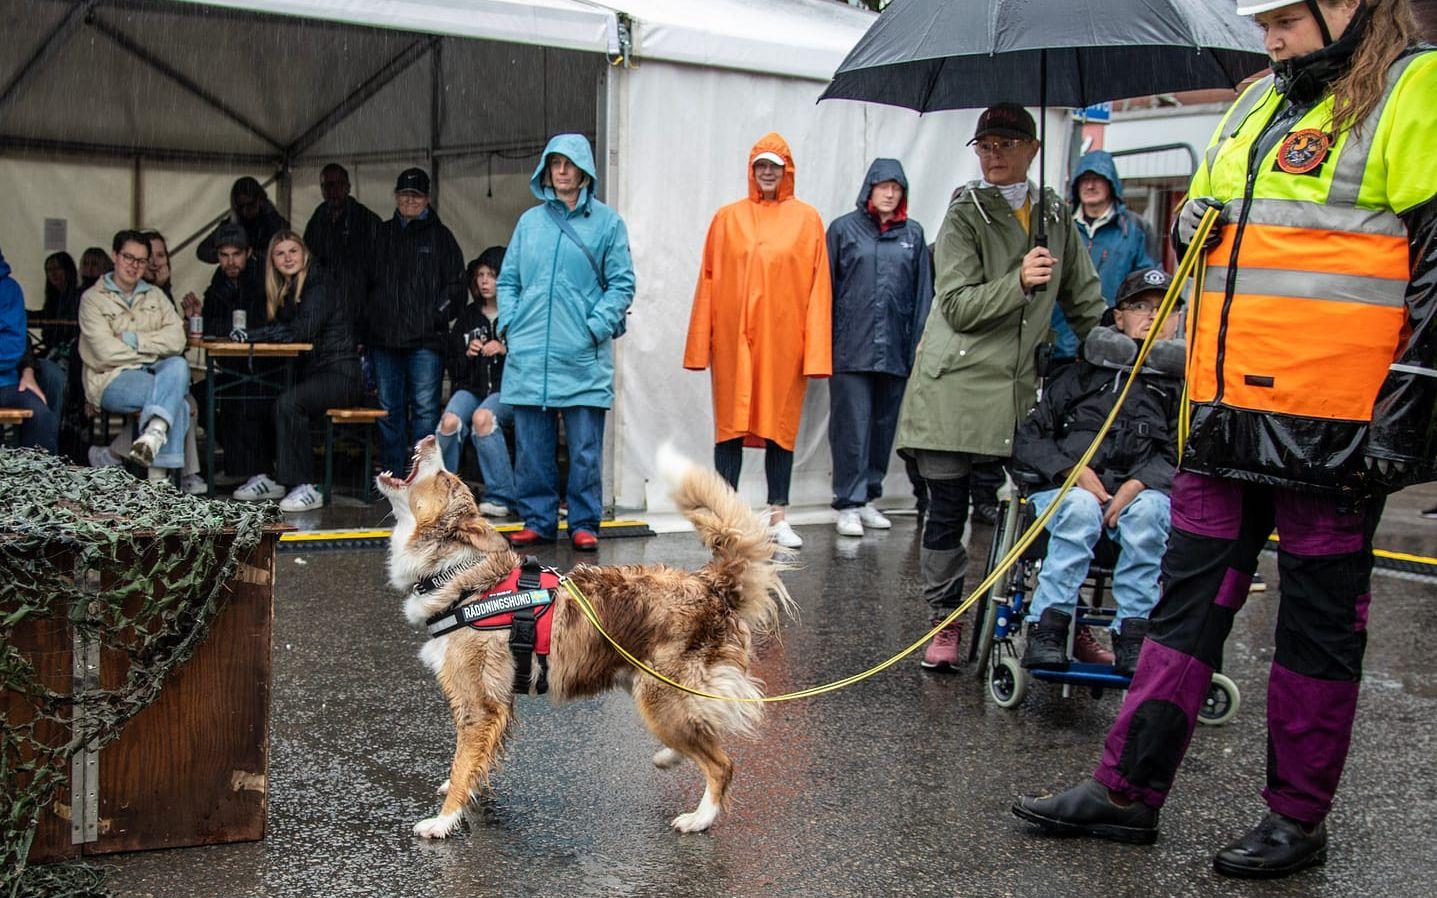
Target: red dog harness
x=520, y=603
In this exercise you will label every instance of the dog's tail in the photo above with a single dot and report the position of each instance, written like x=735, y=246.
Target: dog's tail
x=739, y=539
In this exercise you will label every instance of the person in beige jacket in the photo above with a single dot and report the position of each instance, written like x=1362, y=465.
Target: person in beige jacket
x=132, y=343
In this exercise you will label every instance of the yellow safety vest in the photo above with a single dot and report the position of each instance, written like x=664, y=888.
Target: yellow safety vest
x=1302, y=308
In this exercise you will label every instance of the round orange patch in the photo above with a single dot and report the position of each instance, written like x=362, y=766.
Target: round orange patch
x=1302, y=151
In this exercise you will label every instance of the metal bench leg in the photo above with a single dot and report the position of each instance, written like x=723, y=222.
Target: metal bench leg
x=328, y=458
x=364, y=472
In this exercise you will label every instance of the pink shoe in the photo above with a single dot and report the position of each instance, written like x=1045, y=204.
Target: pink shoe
x=942, y=651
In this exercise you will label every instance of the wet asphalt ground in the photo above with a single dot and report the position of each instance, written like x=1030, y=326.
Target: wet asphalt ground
x=897, y=786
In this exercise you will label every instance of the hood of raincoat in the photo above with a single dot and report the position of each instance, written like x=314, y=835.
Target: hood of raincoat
x=1097, y=162
x=576, y=148
x=771, y=143
x=882, y=170
x=4, y=266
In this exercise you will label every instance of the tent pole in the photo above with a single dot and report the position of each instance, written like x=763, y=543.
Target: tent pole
x=436, y=115
x=137, y=195
x=57, y=38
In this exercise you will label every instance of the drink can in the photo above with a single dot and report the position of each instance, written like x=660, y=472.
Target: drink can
x=239, y=320
x=197, y=327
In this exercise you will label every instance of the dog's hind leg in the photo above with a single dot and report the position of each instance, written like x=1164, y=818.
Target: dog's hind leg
x=666, y=758
x=718, y=773
x=669, y=718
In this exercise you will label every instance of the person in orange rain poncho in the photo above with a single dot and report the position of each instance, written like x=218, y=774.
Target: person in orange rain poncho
x=761, y=321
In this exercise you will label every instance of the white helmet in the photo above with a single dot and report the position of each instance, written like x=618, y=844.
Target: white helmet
x=1253, y=7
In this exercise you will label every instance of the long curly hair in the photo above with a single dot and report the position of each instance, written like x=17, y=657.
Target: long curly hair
x=1391, y=29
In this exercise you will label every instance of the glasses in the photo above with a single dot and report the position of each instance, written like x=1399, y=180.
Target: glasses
x=994, y=147
x=1142, y=307
x=133, y=260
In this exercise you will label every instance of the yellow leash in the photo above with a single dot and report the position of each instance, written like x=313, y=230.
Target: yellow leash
x=1185, y=269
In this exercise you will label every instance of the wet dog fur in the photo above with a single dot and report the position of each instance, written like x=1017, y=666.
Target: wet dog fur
x=696, y=627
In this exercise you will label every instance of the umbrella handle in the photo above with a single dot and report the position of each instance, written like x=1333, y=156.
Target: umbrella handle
x=1040, y=238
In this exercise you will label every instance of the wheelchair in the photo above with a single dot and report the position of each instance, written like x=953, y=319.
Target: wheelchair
x=1000, y=620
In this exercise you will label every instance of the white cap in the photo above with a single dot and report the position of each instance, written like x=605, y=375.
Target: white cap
x=1253, y=7
x=775, y=158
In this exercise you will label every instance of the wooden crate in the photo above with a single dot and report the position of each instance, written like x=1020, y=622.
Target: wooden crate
x=191, y=768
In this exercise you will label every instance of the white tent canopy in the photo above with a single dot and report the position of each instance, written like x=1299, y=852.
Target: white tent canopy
x=118, y=113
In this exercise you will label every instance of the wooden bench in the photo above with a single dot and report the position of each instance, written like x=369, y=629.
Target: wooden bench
x=13, y=418
x=364, y=417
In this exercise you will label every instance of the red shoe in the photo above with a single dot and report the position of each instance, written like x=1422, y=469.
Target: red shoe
x=526, y=537
x=1088, y=649
x=584, y=541
x=942, y=651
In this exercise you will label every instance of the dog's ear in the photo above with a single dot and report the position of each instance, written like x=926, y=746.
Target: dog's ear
x=480, y=534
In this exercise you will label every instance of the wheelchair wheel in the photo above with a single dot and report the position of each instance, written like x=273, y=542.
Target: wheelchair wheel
x=1221, y=702
x=1007, y=682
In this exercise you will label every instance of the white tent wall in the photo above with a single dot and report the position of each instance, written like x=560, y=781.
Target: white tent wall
x=676, y=168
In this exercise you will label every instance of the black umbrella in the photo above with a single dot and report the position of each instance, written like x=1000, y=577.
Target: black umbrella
x=959, y=54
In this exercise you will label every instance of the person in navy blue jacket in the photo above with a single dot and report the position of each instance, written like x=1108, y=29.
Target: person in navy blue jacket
x=882, y=288
x=18, y=388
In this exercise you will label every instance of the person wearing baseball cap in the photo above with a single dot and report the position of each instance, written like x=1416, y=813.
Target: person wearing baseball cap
x=1311, y=386
x=1123, y=491
x=416, y=287
x=975, y=375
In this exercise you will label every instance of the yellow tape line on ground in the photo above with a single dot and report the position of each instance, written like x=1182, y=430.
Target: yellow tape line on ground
x=1185, y=269
x=339, y=535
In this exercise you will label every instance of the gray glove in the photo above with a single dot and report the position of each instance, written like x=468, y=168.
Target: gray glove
x=1191, y=216
x=239, y=335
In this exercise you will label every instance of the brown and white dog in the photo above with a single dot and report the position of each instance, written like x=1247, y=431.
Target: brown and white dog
x=696, y=627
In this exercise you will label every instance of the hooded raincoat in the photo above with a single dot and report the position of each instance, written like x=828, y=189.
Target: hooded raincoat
x=1117, y=243
x=559, y=321
x=882, y=282
x=761, y=308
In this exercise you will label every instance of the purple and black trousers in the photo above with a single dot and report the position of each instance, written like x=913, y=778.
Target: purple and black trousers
x=1219, y=526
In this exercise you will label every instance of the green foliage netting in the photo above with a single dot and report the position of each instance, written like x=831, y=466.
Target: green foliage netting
x=138, y=568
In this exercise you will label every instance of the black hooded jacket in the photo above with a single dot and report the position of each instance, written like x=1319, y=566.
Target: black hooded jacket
x=1143, y=441
x=320, y=318
x=343, y=246
x=223, y=296
x=416, y=285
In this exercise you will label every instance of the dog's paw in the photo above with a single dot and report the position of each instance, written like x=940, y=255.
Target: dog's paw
x=443, y=788
x=438, y=827
x=666, y=757
x=694, y=821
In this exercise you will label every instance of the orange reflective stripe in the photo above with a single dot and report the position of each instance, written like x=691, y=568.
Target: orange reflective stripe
x=1308, y=249
x=1310, y=358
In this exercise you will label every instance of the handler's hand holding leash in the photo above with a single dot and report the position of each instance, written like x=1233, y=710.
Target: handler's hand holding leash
x=1190, y=264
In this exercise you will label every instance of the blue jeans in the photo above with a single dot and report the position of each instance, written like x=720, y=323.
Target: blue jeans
x=42, y=429
x=155, y=391
x=536, y=471
x=493, y=451
x=410, y=382
x=1141, y=534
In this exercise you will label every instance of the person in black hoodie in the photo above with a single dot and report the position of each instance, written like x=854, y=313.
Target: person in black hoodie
x=302, y=306
x=1124, y=489
x=416, y=287
x=475, y=355
x=251, y=209
x=244, y=430
x=340, y=234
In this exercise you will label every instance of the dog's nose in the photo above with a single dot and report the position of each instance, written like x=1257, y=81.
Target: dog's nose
x=424, y=443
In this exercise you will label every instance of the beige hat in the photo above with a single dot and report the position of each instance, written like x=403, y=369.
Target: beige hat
x=775, y=158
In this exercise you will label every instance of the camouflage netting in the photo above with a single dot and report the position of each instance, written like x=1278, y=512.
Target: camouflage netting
x=136, y=567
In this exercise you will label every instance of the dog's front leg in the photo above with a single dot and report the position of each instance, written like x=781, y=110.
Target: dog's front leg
x=481, y=721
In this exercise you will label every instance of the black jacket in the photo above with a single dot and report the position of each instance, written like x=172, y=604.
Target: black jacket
x=416, y=285
x=1143, y=441
x=319, y=318
x=343, y=246
x=223, y=296
x=479, y=375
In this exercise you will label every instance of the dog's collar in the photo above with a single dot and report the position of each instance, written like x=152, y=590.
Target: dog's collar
x=436, y=582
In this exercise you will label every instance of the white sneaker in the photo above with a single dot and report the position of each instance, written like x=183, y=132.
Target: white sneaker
x=783, y=535
x=146, y=446
x=848, y=522
x=493, y=510
x=258, y=488
x=102, y=457
x=872, y=519
x=194, y=484
x=304, y=497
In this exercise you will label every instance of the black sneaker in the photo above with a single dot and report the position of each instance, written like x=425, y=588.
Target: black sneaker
x=1089, y=810
x=986, y=514
x=1047, y=647
x=1258, y=584
x=1431, y=513
x=1128, y=644
x=1276, y=847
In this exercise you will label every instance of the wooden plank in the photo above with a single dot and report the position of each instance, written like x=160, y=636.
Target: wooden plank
x=15, y=415
x=369, y=415
x=191, y=769
x=226, y=349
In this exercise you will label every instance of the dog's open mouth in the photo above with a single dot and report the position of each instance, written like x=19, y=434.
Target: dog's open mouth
x=388, y=479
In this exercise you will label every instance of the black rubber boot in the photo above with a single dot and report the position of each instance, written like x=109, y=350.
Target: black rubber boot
x=1047, y=647
x=1128, y=644
x=1087, y=810
x=1276, y=847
